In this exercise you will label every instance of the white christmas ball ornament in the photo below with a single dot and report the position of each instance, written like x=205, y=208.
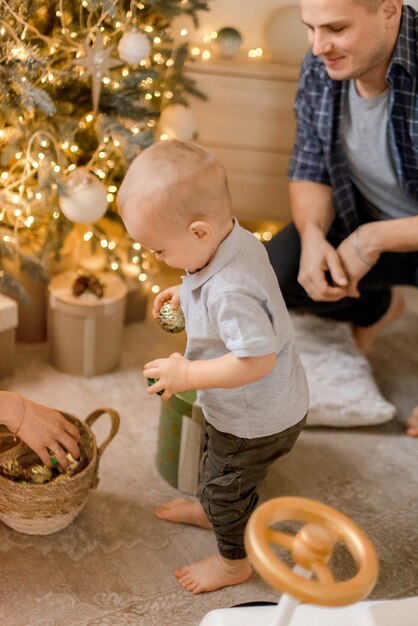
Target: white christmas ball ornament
x=134, y=47
x=286, y=36
x=85, y=199
x=178, y=122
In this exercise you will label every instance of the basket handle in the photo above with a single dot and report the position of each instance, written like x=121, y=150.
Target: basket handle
x=115, y=421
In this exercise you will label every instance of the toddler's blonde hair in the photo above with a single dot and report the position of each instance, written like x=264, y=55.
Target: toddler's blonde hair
x=178, y=182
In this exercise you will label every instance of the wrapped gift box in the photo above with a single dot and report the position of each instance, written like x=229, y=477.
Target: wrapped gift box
x=85, y=332
x=179, y=441
x=8, y=323
x=32, y=315
x=32, y=326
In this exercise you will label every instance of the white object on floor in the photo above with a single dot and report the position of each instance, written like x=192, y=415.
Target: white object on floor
x=378, y=613
x=342, y=390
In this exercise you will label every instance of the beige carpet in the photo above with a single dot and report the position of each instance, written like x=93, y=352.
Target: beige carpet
x=113, y=565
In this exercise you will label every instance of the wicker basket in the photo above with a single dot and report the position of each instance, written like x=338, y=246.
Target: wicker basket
x=46, y=508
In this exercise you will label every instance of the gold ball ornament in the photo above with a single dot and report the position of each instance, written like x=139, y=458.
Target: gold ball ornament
x=12, y=469
x=38, y=474
x=85, y=198
x=62, y=478
x=134, y=47
x=171, y=320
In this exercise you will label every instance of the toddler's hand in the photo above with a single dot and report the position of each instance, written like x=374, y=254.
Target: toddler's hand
x=171, y=375
x=171, y=294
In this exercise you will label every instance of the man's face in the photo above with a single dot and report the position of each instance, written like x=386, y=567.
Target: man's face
x=352, y=42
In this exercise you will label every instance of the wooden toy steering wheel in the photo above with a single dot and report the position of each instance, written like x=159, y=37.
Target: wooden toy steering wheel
x=311, y=549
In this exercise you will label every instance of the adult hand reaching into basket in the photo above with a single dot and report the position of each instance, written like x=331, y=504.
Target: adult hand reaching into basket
x=43, y=429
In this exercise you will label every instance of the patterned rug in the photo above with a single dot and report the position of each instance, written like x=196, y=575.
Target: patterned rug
x=113, y=565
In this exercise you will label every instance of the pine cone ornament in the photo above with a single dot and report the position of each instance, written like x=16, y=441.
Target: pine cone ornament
x=81, y=284
x=96, y=286
x=88, y=282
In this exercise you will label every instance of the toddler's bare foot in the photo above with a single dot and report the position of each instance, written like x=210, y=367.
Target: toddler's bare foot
x=184, y=512
x=364, y=335
x=412, y=423
x=213, y=573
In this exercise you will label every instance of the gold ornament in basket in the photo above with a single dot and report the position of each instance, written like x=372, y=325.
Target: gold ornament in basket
x=42, y=509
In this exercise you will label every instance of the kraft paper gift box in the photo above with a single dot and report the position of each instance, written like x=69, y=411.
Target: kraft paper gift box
x=32, y=316
x=85, y=332
x=8, y=323
x=179, y=446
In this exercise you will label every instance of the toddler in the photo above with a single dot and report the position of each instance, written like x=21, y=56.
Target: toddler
x=240, y=354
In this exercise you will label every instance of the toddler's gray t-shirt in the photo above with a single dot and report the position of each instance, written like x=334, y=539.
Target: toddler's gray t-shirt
x=234, y=304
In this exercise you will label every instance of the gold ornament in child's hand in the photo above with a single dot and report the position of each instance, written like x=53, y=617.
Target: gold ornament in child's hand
x=171, y=320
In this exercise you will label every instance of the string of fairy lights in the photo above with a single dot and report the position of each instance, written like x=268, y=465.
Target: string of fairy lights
x=58, y=172
x=89, y=51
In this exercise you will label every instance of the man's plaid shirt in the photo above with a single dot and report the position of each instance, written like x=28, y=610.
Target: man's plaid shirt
x=318, y=153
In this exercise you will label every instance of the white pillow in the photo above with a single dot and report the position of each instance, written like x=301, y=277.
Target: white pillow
x=341, y=386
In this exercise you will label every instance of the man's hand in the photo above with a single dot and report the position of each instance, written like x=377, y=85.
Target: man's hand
x=355, y=267
x=318, y=258
x=171, y=374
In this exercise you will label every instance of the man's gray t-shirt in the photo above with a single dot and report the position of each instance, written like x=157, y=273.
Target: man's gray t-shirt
x=364, y=133
x=234, y=304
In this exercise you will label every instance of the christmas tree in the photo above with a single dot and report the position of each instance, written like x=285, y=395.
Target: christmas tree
x=83, y=84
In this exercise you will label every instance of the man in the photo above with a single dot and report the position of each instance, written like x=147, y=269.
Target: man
x=354, y=168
